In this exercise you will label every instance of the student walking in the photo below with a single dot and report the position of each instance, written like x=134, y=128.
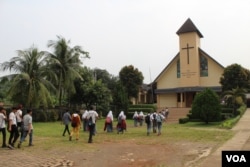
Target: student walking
x=121, y=125
x=154, y=122
x=27, y=128
x=66, y=119
x=135, y=118
x=85, y=120
x=141, y=118
x=13, y=128
x=148, y=121
x=3, y=118
x=76, y=125
x=159, y=118
x=108, y=125
x=92, y=116
x=19, y=119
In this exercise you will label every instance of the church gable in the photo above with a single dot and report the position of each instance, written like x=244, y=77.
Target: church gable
x=210, y=70
x=190, y=71
x=210, y=73
x=168, y=77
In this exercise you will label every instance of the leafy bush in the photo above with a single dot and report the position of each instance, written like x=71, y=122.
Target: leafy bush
x=225, y=116
x=241, y=110
x=39, y=115
x=206, y=106
x=143, y=106
x=144, y=110
x=183, y=120
x=226, y=110
x=229, y=123
x=52, y=115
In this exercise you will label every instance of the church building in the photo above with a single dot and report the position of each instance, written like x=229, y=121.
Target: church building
x=190, y=71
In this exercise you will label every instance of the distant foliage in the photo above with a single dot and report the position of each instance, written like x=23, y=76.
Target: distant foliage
x=235, y=76
x=131, y=78
x=206, y=106
x=40, y=115
x=183, y=120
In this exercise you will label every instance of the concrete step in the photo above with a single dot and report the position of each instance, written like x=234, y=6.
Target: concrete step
x=176, y=113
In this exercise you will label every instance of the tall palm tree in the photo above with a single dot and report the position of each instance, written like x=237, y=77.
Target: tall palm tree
x=232, y=95
x=29, y=85
x=65, y=62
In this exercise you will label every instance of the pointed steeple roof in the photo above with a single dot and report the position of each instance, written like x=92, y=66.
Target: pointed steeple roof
x=189, y=26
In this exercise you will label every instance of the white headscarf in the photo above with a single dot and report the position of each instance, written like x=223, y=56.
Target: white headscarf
x=122, y=115
x=141, y=113
x=110, y=115
x=135, y=115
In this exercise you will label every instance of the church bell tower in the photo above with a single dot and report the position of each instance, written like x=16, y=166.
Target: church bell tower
x=189, y=44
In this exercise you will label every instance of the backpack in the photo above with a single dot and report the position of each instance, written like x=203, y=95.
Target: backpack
x=154, y=116
x=119, y=119
x=90, y=121
x=158, y=118
x=74, y=121
x=147, y=119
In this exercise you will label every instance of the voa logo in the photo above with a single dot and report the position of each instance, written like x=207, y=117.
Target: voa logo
x=236, y=158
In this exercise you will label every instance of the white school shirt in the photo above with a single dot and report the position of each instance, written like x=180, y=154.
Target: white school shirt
x=92, y=114
x=2, y=120
x=12, y=117
x=27, y=119
x=18, y=115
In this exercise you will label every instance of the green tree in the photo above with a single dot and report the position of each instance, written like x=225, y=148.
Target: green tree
x=91, y=91
x=29, y=84
x=235, y=76
x=131, y=78
x=120, y=100
x=65, y=62
x=4, y=86
x=206, y=106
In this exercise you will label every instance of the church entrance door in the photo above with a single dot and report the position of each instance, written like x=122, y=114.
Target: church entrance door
x=189, y=98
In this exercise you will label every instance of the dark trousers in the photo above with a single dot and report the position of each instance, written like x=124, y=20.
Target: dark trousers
x=20, y=128
x=66, y=129
x=91, y=132
x=3, y=130
x=85, y=125
x=13, y=135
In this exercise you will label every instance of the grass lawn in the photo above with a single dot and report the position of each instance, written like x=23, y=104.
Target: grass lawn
x=178, y=145
x=47, y=135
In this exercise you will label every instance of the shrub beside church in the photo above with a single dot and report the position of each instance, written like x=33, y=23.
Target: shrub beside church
x=206, y=106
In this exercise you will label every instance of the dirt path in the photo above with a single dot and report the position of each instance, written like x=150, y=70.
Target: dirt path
x=123, y=154
x=139, y=155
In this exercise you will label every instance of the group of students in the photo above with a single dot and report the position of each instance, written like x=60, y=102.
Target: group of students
x=89, y=119
x=89, y=123
x=138, y=118
x=154, y=121
x=17, y=125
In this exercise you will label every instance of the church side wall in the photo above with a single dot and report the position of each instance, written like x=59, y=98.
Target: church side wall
x=169, y=78
x=214, y=73
x=166, y=100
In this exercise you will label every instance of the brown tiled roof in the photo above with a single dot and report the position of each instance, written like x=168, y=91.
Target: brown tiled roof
x=188, y=26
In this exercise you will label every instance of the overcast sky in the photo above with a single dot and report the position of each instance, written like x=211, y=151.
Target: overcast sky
x=117, y=33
